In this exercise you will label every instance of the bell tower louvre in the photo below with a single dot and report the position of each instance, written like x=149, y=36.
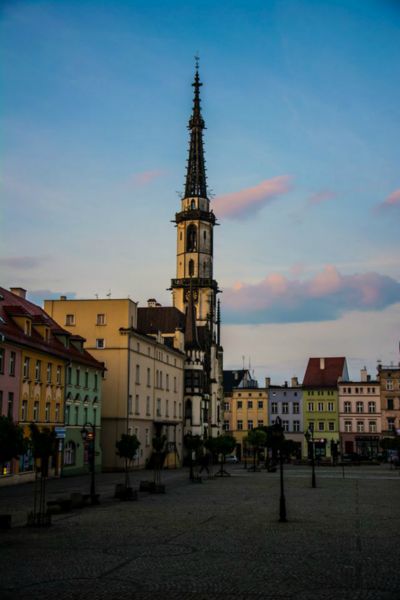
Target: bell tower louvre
x=194, y=291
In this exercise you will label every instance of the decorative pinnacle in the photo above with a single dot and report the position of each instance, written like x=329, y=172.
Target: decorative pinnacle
x=196, y=173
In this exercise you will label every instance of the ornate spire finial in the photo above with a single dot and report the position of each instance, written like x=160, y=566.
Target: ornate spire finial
x=196, y=184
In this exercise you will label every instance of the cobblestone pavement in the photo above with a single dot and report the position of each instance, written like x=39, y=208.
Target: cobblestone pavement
x=218, y=539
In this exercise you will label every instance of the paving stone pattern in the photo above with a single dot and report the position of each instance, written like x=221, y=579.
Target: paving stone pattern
x=218, y=539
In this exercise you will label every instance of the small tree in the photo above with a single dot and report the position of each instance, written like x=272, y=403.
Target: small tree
x=44, y=446
x=127, y=447
x=225, y=444
x=192, y=443
x=256, y=438
x=12, y=443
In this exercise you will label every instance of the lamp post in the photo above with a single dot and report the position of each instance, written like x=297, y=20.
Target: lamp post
x=282, y=499
x=309, y=435
x=90, y=437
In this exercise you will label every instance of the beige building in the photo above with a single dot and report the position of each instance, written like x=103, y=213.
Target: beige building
x=143, y=383
x=389, y=377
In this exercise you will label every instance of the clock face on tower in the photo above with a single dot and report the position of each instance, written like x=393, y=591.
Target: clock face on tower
x=195, y=295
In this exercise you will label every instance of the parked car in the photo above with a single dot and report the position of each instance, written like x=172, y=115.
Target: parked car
x=231, y=458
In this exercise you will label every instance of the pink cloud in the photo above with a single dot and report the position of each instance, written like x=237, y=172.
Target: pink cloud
x=325, y=296
x=393, y=200
x=251, y=200
x=320, y=197
x=146, y=177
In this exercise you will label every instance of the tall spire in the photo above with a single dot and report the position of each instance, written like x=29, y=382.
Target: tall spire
x=196, y=184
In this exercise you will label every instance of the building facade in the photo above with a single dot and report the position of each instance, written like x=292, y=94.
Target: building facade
x=286, y=402
x=360, y=416
x=142, y=389
x=389, y=379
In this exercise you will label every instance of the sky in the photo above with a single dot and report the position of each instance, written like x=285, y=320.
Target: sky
x=301, y=101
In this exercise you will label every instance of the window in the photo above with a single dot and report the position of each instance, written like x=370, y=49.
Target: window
x=137, y=347
x=389, y=384
x=101, y=319
x=100, y=343
x=57, y=413
x=285, y=408
x=296, y=408
x=180, y=410
x=371, y=407
x=24, y=410
x=191, y=268
x=69, y=375
x=311, y=406
x=239, y=404
x=38, y=368
x=260, y=404
x=347, y=407
x=167, y=408
x=372, y=426
x=260, y=423
x=285, y=425
x=148, y=405
x=296, y=426
x=274, y=408
x=390, y=423
x=360, y=407
x=47, y=412
x=48, y=372
x=390, y=404
x=175, y=409
x=130, y=404
x=78, y=377
x=95, y=381
x=69, y=454
x=347, y=426
x=174, y=384
x=320, y=406
x=250, y=424
x=250, y=404
x=10, y=406
x=95, y=416
x=191, y=238
x=67, y=414
x=330, y=406
x=240, y=425
x=137, y=404
x=225, y=426
x=11, y=369
x=147, y=437
x=85, y=414
x=161, y=383
x=158, y=411
x=167, y=382
x=138, y=374
x=76, y=415
x=86, y=379
x=321, y=426
x=69, y=320
x=148, y=377
x=360, y=426
x=36, y=411
x=331, y=426
x=2, y=361
x=58, y=375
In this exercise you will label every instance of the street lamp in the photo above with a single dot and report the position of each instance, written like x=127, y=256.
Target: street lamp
x=89, y=436
x=309, y=435
x=282, y=500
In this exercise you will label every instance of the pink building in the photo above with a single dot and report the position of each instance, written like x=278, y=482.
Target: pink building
x=10, y=380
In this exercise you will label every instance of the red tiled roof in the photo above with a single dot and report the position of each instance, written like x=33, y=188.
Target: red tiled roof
x=13, y=305
x=325, y=372
x=160, y=318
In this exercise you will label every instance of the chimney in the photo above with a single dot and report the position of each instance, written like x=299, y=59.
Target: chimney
x=294, y=382
x=63, y=297
x=267, y=382
x=18, y=291
x=364, y=374
x=152, y=302
x=322, y=364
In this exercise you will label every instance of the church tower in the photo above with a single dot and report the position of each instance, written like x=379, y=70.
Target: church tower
x=194, y=290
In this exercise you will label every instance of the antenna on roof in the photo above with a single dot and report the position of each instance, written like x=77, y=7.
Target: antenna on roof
x=243, y=362
x=97, y=296
x=109, y=294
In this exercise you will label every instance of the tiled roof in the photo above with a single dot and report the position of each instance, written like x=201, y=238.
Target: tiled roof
x=160, y=318
x=325, y=372
x=232, y=379
x=12, y=305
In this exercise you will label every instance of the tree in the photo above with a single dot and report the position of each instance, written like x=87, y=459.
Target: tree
x=159, y=447
x=256, y=438
x=12, y=443
x=192, y=443
x=127, y=447
x=225, y=444
x=44, y=445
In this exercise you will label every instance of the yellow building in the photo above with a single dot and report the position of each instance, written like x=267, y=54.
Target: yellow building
x=143, y=385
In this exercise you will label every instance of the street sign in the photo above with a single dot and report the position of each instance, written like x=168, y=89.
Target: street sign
x=60, y=432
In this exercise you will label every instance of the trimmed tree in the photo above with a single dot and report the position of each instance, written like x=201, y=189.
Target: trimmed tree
x=192, y=443
x=12, y=443
x=44, y=446
x=225, y=444
x=127, y=447
x=257, y=439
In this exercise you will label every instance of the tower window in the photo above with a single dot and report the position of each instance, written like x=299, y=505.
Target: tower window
x=191, y=239
x=191, y=268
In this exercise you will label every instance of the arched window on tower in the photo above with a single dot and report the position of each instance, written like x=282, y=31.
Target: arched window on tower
x=205, y=269
x=188, y=410
x=193, y=205
x=191, y=268
x=191, y=238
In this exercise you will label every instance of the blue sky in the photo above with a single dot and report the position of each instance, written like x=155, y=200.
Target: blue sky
x=302, y=105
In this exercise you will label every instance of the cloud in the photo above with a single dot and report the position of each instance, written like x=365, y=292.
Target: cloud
x=320, y=197
x=326, y=296
x=146, y=177
x=21, y=262
x=392, y=201
x=249, y=201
